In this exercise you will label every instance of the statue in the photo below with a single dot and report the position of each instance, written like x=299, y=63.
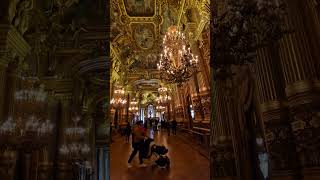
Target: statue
x=22, y=16
x=12, y=10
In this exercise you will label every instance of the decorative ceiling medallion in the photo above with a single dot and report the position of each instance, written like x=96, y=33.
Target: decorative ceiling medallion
x=140, y=8
x=143, y=34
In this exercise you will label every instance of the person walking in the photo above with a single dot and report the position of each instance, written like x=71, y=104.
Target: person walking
x=128, y=131
x=156, y=124
x=174, y=127
x=168, y=127
x=138, y=139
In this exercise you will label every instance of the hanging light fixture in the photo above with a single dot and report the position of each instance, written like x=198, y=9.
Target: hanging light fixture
x=163, y=97
x=177, y=64
x=118, y=100
x=133, y=106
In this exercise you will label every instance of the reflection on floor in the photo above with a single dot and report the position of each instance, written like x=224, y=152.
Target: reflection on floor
x=186, y=162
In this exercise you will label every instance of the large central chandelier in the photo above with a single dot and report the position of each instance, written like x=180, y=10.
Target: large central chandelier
x=177, y=64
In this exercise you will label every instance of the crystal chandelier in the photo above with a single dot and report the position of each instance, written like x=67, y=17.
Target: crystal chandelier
x=29, y=126
x=74, y=135
x=177, y=64
x=160, y=108
x=74, y=149
x=133, y=106
x=75, y=131
x=118, y=100
x=162, y=99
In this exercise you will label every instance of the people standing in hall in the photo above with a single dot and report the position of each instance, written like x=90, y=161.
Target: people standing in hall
x=174, y=127
x=128, y=131
x=145, y=124
x=156, y=123
x=150, y=123
x=168, y=127
x=139, y=135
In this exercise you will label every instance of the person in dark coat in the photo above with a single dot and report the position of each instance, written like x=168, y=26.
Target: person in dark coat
x=174, y=127
x=156, y=124
x=128, y=131
x=168, y=127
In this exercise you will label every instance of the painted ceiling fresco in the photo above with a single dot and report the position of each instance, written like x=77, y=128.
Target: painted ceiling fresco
x=140, y=8
x=143, y=34
x=137, y=29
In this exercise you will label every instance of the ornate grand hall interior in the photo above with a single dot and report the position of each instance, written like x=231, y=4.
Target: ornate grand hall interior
x=219, y=90
x=160, y=54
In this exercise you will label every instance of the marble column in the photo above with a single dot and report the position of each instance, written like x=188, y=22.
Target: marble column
x=275, y=115
x=302, y=91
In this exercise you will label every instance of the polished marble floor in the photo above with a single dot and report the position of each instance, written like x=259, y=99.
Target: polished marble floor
x=186, y=162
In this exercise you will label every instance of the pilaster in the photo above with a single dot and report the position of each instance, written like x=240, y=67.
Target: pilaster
x=302, y=91
x=275, y=116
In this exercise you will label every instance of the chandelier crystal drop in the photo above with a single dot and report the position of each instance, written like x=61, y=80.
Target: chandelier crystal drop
x=177, y=64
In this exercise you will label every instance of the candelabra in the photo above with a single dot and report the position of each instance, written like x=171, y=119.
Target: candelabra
x=163, y=97
x=75, y=132
x=74, y=148
x=160, y=108
x=177, y=64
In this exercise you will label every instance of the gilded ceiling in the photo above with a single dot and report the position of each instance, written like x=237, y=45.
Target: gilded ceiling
x=137, y=27
x=136, y=32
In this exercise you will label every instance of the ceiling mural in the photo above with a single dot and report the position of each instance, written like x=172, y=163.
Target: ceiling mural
x=137, y=29
x=140, y=8
x=145, y=61
x=143, y=34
